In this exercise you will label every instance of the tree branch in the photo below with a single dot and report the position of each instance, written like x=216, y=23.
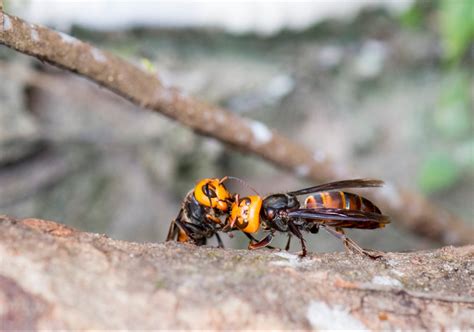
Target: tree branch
x=54, y=277
x=145, y=90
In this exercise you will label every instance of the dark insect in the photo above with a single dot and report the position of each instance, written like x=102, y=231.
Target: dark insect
x=326, y=208
x=202, y=214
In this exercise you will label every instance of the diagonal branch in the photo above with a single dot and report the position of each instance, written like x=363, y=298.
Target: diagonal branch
x=410, y=210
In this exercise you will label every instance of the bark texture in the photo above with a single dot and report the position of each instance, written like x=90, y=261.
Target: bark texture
x=52, y=276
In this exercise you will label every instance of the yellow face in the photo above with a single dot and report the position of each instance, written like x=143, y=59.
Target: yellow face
x=246, y=214
x=212, y=193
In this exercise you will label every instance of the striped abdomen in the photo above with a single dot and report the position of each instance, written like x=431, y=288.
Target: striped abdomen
x=340, y=200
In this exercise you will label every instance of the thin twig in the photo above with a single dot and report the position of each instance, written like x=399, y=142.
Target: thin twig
x=409, y=209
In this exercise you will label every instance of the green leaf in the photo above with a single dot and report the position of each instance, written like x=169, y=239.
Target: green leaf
x=457, y=27
x=413, y=17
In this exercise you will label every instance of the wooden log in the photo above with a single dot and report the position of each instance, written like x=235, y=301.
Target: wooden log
x=53, y=276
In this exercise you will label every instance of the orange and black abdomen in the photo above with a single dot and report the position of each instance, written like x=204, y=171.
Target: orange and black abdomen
x=340, y=200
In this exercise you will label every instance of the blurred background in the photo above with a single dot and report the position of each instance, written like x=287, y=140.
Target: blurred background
x=383, y=86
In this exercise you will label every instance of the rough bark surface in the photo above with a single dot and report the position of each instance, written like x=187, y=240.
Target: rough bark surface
x=52, y=276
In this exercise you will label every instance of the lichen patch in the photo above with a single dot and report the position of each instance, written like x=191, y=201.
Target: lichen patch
x=67, y=39
x=386, y=281
x=7, y=23
x=302, y=170
x=323, y=317
x=34, y=34
x=98, y=55
x=261, y=133
x=291, y=260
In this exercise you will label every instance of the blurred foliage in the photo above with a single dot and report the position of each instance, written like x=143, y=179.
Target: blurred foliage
x=457, y=27
x=454, y=115
x=413, y=17
x=12, y=6
x=452, y=118
x=454, y=20
x=417, y=15
x=439, y=171
x=464, y=155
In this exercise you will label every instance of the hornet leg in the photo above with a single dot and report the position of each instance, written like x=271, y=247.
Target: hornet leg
x=220, y=244
x=349, y=244
x=287, y=247
x=262, y=243
x=255, y=244
x=213, y=218
x=190, y=233
x=173, y=231
x=296, y=231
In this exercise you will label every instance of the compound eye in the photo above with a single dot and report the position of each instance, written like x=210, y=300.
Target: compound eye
x=209, y=191
x=205, y=193
x=270, y=214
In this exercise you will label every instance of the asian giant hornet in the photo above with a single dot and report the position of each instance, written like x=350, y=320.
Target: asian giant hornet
x=201, y=211
x=204, y=213
x=326, y=208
